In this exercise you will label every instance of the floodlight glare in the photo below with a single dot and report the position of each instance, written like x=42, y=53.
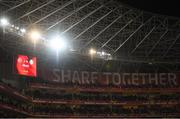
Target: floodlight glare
x=4, y=22
x=92, y=51
x=58, y=43
x=17, y=28
x=23, y=30
x=35, y=35
x=103, y=53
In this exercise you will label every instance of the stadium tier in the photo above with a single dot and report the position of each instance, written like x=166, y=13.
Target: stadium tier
x=65, y=93
x=33, y=87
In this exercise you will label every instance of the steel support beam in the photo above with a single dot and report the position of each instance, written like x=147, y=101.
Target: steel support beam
x=35, y=9
x=154, y=46
x=114, y=22
x=106, y=46
x=120, y=30
x=143, y=40
x=92, y=24
x=133, y=33
x=58, y=9
x=169, y=48
x=71, y=13
x=78, y=22
x=122, y=59
x=99, y=32
x=15, y=6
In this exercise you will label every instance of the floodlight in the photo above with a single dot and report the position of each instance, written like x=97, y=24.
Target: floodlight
x=58, y=43
x=103, y=53
x=17, y=28
x=35, y=35
x=4, y=22
x=92, y=51
x=23, y=30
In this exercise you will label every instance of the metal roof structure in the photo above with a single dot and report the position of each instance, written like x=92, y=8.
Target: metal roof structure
x=126, y=33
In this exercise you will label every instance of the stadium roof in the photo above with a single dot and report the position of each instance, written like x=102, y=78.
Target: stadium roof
x=106, y=25
x=165, y=7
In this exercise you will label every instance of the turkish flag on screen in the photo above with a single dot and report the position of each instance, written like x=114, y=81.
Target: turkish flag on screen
x=26, y=66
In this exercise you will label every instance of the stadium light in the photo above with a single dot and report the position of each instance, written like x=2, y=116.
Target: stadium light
x=23, y=30
x=17, y=28
x=35, y=35
x=103, y=53
x=92, y=51
x=58, y=43
x=4, y=22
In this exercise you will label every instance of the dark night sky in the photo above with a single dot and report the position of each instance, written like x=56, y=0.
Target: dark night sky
x=165, y=7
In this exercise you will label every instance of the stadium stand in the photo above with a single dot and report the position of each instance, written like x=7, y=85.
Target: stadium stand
x=108, y=60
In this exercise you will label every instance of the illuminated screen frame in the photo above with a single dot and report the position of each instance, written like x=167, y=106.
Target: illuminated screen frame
x=26, y=65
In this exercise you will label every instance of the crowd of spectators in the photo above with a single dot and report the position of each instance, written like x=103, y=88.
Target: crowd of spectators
x=103, y=97
x=105, y=110
x=83, y=109
x=71, y=85
x=15, y=102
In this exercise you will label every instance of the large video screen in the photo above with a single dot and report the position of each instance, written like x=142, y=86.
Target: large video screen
x=26, y=65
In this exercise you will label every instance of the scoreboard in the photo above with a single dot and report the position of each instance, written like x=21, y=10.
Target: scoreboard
x=26, y=65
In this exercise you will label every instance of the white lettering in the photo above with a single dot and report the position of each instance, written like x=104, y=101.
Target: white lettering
x=107, y=77
x=135, y=79
x=116, y=79
x=126, y=78
x=85, y=77
x=172, y=78
x=162, y=78
x=153, y=79
x=76, y=77
x=143, y=75
x=56, y=73
x=66, y=77
x=94, y=77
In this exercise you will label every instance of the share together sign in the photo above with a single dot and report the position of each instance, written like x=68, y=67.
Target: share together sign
x=109, y=78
